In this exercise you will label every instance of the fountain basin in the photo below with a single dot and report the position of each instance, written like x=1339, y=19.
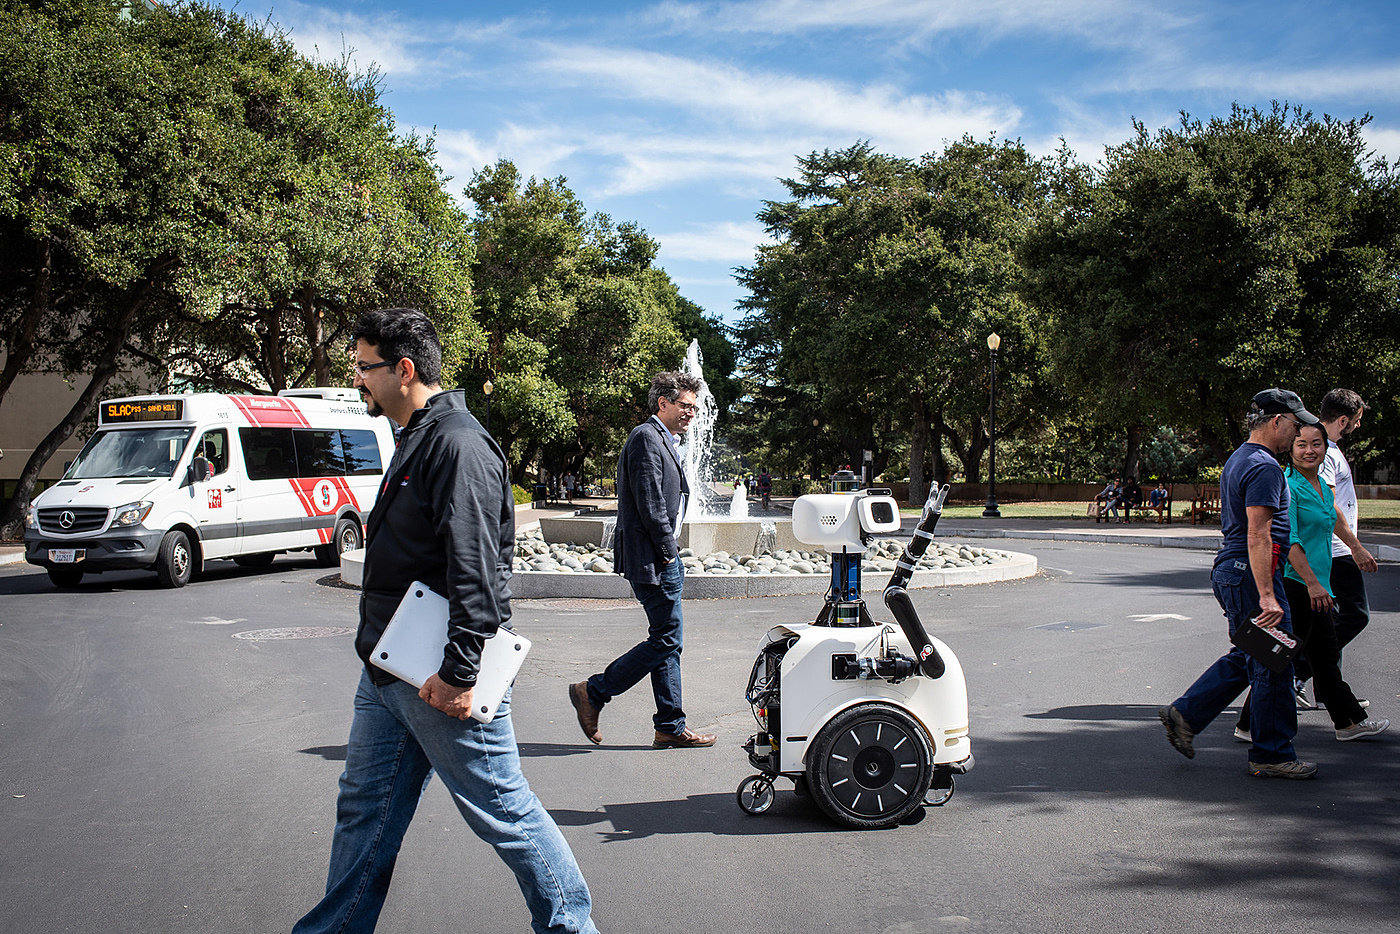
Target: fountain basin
x=704, y=536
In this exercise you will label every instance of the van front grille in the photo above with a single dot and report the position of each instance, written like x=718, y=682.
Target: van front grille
x=72, y=520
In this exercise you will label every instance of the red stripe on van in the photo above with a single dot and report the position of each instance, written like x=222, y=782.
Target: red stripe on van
x=270, y=412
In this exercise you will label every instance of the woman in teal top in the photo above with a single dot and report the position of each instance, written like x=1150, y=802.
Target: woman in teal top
x=1311, y=520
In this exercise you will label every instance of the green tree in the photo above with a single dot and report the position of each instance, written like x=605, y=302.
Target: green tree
x=578, y=320
x=876, y=302
x=1206, y=262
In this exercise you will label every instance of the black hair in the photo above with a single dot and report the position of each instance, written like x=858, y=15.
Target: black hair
x=399, y=333
x=1340, y=402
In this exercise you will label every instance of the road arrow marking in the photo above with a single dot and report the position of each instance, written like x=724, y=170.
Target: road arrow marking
x=1154, y=617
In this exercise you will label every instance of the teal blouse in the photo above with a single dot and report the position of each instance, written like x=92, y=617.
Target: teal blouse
x=1311, y=519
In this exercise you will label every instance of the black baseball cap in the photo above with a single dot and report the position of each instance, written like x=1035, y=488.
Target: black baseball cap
x=1283, y=402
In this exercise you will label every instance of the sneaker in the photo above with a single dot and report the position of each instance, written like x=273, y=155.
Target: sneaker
x=1242, y=735
x=1364, y=728
x=1294, y=768
x=1300, y=694
x=1178, y=733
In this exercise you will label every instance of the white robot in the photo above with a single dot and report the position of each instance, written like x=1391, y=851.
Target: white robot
x=868, y=718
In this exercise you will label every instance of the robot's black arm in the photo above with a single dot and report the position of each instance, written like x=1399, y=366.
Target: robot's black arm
x=897, y=598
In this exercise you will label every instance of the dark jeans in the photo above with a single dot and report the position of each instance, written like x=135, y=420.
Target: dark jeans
x=397, y=742
x=658, y=656
x=1274, y=720
x=1318, y=635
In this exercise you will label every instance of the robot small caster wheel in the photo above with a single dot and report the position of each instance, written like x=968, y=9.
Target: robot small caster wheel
x=755, y=794
x=938, y=795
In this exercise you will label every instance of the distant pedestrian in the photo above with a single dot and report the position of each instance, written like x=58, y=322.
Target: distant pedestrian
x=1248, y=582
x=569, y=481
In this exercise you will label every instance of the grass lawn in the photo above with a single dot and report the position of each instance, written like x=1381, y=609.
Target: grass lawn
x=1374, y=513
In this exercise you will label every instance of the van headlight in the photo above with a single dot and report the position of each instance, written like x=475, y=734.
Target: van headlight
x=31, y=518
x=132, y=513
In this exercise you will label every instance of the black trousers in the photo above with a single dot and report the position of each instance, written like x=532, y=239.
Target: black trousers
x=1322, y=652
x=1353, y=610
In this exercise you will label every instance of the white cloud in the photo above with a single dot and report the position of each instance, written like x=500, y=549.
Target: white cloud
x=1385, y=141
x=1364, y=82
x=717, y=242
x=1130, y=23
x=891, y=118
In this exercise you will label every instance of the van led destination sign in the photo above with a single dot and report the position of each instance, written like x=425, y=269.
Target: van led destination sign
x=157, y=410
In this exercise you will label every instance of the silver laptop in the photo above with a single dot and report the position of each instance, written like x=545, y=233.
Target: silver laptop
x=412, y=644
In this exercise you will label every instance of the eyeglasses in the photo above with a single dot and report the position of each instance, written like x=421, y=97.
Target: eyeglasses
x=1293, y=420
x=687, y=407
x=361, y=369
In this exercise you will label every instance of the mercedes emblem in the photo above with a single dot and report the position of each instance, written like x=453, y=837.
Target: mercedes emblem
x=66, y=518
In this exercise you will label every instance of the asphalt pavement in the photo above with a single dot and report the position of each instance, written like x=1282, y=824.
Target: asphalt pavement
x=168, y=762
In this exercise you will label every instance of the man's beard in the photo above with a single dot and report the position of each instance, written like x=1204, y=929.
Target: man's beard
x=375, y=409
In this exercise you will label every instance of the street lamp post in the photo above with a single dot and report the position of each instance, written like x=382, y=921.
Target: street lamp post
x=486, y=388
x=991, y=512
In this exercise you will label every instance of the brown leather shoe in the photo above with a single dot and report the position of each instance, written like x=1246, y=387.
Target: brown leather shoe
x=687, y=740
x=587, y=713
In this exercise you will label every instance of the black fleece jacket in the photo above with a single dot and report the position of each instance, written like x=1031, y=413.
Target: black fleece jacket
x=445, y=516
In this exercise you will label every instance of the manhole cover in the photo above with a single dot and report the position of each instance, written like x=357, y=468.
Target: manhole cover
x=582, y=603
x=293, y=632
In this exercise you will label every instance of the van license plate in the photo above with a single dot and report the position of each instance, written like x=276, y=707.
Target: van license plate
x=67, y=555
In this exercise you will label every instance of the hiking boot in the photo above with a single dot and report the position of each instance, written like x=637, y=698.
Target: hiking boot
x=1178, y=733
x=1295, y=769
x=1364, y=728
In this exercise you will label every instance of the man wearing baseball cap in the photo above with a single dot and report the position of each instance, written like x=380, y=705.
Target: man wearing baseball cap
x=1248, y=582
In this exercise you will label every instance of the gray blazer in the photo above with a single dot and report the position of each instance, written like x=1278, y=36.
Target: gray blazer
x=650, y=483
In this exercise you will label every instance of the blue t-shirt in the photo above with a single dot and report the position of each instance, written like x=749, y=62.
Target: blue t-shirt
x=1251, y=477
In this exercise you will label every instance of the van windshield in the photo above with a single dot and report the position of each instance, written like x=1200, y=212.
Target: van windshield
x=138, y=452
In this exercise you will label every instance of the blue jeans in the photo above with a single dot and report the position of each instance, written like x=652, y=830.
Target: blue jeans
x=397, y=741
x=1273, y=709
x=659, y=656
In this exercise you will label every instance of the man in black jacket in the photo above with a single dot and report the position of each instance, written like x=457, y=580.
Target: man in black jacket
x=444, y=516
x=651, y=498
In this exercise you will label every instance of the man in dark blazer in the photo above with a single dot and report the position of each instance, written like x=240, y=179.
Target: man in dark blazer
x=651, y=497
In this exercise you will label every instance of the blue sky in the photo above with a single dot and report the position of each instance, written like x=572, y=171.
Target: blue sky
x=682, y=116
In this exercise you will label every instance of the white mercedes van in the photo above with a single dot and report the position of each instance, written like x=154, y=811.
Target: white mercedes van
x=170, y=482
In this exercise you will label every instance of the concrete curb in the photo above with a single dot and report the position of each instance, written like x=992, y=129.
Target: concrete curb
x=1195, y=542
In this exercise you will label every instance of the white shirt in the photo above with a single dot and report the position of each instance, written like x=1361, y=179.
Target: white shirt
x=1336, y=473
x=676, y=450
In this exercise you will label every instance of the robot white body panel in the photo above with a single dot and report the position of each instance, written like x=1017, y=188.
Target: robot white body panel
x=810, y=697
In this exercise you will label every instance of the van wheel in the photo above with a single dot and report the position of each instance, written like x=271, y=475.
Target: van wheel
x=347, y=538
x=175, y=563
x=260, y=560
x=65, y=577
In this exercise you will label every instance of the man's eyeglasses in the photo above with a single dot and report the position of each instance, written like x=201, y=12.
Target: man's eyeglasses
x=687, y=407
x=360, y=369
x=1293, y=420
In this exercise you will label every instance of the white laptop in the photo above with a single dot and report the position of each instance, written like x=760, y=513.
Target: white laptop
x=412, y=644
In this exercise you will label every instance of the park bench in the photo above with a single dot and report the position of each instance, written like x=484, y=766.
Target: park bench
x=1163, y=511
x=1206, y=505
